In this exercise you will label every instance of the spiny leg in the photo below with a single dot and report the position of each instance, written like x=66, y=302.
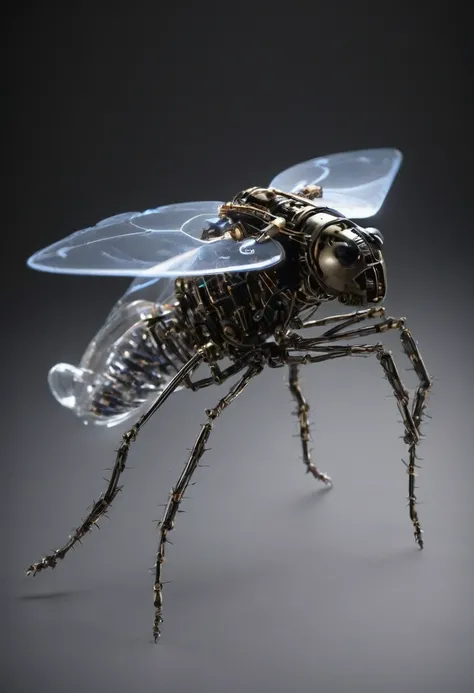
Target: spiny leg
x=177, y=493
x=100, y=507
x=302, y=413
x=411, y=437
x=418, y=407
x=412, y=418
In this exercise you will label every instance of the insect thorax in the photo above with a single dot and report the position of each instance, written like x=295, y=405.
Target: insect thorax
x=234, y=311
x=237, y=311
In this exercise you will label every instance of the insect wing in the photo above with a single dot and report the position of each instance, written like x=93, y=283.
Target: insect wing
x=354, y=183
x=162, y=242
x=70, y=254
x=217, y=255
x=159, y=290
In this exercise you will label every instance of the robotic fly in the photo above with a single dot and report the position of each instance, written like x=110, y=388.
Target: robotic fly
x=234, y=282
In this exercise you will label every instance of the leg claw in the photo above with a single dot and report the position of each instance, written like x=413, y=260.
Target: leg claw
x=320, y=476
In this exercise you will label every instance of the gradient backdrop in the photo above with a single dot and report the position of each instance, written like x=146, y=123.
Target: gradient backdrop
x=276, y=585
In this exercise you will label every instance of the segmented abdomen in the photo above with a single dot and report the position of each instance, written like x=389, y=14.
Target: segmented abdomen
x=136, y=368
x=123, y=367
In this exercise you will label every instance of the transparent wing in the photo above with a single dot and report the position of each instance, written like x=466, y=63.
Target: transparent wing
x=354, y=183
x=162, y=242
x=158, y=290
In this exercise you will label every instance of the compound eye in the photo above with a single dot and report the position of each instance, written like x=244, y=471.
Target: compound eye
x=346, y=253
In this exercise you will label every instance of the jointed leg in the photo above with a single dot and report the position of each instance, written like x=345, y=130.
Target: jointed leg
x=295, y=341
x=100, y=507
x=302, y=413
x=177, y=493
x=412, y=417
x=344, y=320
x=418, y=406
x=218, y=377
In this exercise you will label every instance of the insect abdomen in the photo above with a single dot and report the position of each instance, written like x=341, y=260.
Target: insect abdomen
x=121, y=369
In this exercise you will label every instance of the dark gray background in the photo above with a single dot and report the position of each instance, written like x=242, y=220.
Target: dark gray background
x=277, y=585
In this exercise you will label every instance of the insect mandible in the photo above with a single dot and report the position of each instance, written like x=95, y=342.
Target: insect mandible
x=234, y=282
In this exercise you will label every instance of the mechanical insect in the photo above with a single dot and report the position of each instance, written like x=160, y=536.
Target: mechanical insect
x=234, y=287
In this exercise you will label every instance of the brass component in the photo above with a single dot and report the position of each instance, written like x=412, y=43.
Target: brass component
x=279, y=222
x=229, y=207
x=237, y=233
x=273, y=229
x=311, y=191
x=298, y=197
